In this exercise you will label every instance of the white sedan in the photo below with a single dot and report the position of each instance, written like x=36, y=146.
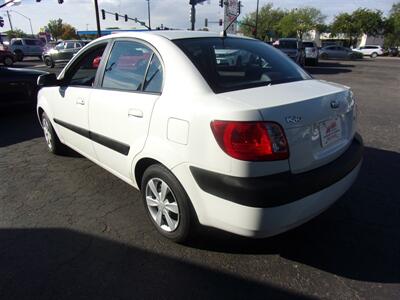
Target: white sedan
x=254, y=148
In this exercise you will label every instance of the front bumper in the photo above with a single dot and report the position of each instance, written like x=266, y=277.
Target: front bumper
x=256, y=207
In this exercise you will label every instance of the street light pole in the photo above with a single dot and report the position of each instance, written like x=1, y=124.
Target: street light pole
x=148, y=12
x=30, y=21
x=255, y=31
x=96, y=7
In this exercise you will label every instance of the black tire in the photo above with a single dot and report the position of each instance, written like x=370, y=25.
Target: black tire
x=19, y=55
x=186, y=213
x=54, y=145
x=49, y=62
x=8, y=61
x=374, y=55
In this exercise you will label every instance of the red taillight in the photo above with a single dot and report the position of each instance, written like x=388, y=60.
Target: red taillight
x=251, y=141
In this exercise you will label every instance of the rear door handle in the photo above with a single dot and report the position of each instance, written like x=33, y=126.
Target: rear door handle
x=80, y=101
x=135, y=113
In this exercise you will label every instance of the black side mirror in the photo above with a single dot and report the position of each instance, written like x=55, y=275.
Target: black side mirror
x=47, y=80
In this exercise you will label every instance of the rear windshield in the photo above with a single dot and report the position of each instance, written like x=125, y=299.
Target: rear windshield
x=287, y=44
x=229, y=64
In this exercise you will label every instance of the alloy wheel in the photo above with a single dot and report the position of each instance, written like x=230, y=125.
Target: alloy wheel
x=162, y=205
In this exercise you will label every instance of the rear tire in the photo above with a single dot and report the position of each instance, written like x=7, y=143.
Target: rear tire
x=169, y=211
x=20, y=55
x=53, y=143
x=374, y=55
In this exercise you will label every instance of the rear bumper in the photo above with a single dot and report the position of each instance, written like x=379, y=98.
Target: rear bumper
x=260, y=211
x=281, y=188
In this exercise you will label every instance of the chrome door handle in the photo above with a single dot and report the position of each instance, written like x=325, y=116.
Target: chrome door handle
x=135, y=113
x=80, y=101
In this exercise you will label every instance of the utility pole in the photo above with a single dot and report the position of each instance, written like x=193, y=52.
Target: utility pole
x=9, y=20
x=96, y=7
x=255, y=31
x=193, y=16
x=148, y=12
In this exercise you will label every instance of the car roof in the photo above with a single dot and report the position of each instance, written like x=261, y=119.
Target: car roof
x=170, y=34
x=289, y=39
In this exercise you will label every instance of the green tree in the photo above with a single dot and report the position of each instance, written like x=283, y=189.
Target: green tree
x=55, y=28
x=68, y=32
x=268, y=19
x=16, y=33
x=361, y=21
x=392, y=27
x=301, y=20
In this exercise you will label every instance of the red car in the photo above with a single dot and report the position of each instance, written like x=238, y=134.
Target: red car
x=7, y=58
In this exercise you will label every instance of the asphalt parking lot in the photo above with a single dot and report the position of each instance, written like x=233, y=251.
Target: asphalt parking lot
x=71, y=230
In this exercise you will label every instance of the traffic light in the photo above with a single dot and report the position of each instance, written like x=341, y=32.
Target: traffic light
x=205, y=22
x=239, y=7
x=220, y=22
x=221, y=3
x=126, y=18
x=192, y=14
x=103, y=14
x=116, y=17
x=1, y=22
x=38, y=0
x=60, y=1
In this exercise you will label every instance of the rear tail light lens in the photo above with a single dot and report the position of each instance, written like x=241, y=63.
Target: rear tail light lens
x=251, y=141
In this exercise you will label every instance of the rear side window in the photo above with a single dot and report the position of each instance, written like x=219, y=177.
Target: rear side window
x=70, y=45
x=154, y=76
x=127, y=66
x=33, y=42
x=229, y=64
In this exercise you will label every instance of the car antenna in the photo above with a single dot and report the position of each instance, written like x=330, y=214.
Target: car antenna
x=239, y=5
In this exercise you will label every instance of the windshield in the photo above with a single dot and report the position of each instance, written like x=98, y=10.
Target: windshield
x=285, y=44
x=229, y=64
x=308, y=44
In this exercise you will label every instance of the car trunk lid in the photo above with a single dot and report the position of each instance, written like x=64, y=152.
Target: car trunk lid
x=317, y=117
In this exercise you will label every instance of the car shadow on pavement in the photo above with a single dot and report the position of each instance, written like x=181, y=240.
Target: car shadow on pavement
x=65, y=264
x=327, y=67
x=17, y=126
x=357, y=238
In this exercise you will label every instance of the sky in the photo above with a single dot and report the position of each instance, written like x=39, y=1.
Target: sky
x=170, y=13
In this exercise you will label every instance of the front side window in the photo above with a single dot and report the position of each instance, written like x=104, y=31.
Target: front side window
x=83, y=73
x=126, y=66
x=17, y=43
x=229, y=64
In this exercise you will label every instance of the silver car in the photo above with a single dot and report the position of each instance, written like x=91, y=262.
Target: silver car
x=337, y=52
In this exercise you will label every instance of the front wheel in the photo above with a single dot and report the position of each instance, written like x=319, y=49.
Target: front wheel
x=167, y=204
x=49, y=62
x=54, y=144
x=8, y=61
x=19, y=55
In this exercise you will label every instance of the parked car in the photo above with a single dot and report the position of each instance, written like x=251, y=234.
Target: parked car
x=7, y=58
x=62, y=52
x=312, y=53
x=293, y=48
x=23, y=47
x=18, y=87
x=370, y=50
x=338, y=52
x=50, y=45
x=253, y=149
x=393, y=51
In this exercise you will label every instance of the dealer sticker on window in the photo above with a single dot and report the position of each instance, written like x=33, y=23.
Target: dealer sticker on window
x=331, y=131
